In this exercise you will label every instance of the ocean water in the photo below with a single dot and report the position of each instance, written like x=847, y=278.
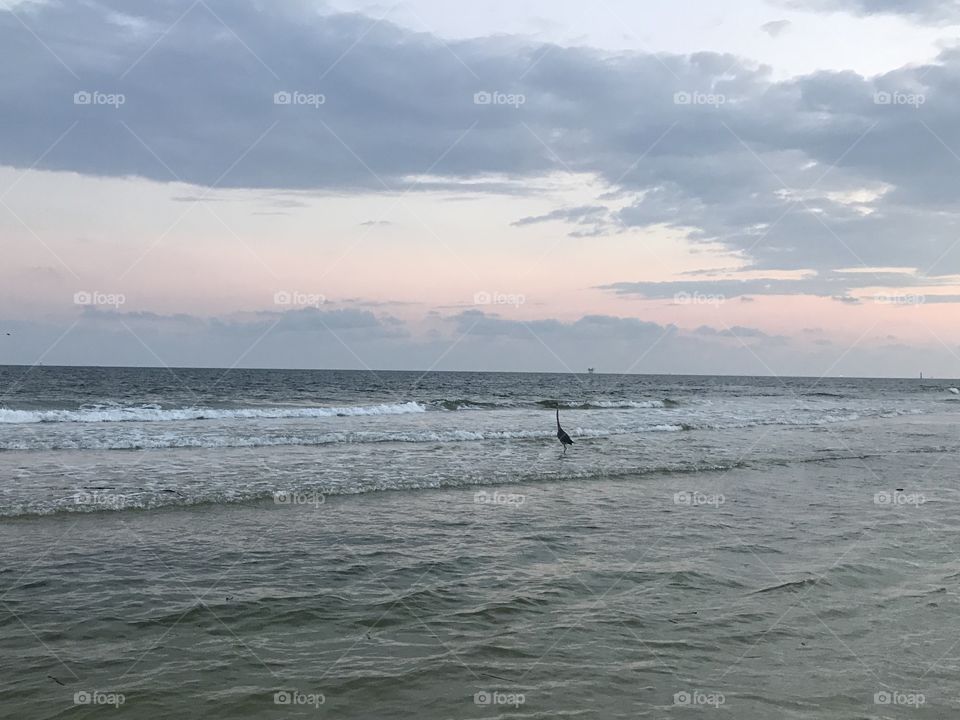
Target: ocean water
x=250, y=543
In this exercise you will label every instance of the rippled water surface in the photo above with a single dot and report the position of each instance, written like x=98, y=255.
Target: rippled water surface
x=274, y=544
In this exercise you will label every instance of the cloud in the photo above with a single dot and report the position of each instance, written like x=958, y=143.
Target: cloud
x=306, y=319
x=737, y=331
x=312, y=320
x=364, y=302
x=834, y=284
x=944, y=298
x=820, y=171
x=925, y=10
x=471, y=340
x=304, y=337
x=775, y=27
x=586, y=328
x=591, y=220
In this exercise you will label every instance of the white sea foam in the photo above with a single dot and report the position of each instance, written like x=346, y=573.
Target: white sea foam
x=158, y=440
x=149, y=413
x=626, y=404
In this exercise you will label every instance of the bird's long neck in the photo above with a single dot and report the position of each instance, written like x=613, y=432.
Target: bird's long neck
x=558, y=418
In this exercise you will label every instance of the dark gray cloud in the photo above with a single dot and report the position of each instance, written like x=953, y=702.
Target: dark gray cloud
x=307, y=319
x=589, y=327
x=348, y=323
x=471, y=340
x=303, y=337
x=737, y=331
x=816, y=172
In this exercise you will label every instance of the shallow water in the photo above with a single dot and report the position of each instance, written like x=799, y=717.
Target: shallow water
x=796, y=570
x=95, y=439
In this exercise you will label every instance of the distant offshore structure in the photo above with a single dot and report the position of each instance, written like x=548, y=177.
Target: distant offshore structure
x=590, y=370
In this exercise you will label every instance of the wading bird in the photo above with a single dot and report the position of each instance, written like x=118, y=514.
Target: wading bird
x=562, y=434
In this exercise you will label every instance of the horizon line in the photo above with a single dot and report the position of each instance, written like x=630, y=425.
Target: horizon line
x=170, y=368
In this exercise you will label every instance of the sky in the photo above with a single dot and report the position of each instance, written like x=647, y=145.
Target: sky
x=682, y=187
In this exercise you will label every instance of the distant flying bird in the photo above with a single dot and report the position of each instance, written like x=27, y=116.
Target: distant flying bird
x=562, y=434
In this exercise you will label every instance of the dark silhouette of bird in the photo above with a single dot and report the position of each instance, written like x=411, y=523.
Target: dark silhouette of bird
x=562, y=434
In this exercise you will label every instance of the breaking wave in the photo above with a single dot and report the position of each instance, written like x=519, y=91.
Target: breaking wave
x=153, y=413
